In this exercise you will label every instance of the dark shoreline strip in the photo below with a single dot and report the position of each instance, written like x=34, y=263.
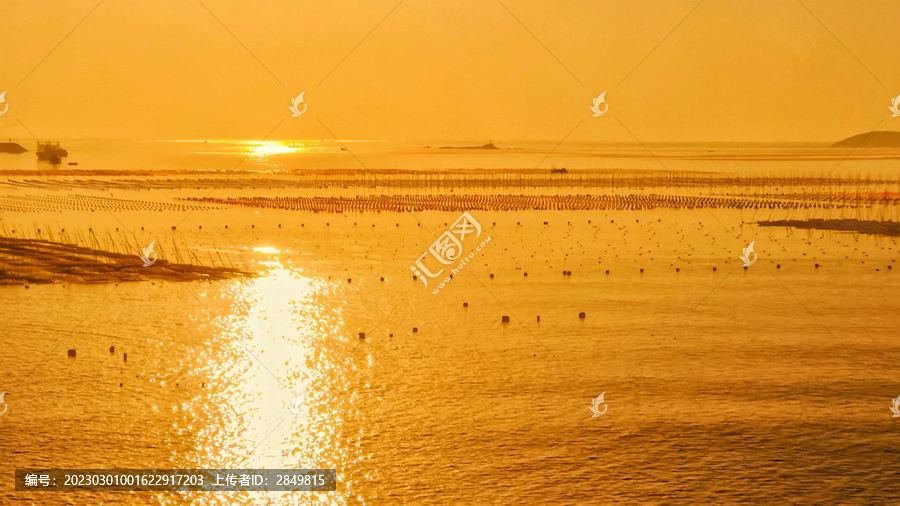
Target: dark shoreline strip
x=456, y=202
x=889, y=228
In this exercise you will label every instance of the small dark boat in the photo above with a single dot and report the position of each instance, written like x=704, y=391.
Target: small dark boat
x=49, y=151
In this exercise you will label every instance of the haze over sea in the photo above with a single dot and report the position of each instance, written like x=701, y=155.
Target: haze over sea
x=808, y=159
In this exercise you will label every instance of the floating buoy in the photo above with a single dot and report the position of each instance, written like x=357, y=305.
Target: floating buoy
x=492, y=276
x=415, y=329
x=362, y=335
x=72, y=353
x=465, y=304
x=505, y=319
x=112, y=349
x=539, y=318
x=581, y=316
x=125, y=357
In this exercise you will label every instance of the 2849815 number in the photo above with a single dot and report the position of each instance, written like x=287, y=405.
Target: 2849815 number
x=300, y=480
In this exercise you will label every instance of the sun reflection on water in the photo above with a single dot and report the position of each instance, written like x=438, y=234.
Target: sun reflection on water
x=267, y=250
x=276, y=343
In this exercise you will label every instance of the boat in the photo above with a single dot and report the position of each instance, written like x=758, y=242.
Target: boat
x=50, y=151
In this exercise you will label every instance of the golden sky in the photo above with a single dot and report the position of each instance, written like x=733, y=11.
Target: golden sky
x=730, y=71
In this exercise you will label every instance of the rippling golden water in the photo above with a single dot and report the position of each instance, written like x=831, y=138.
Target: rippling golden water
x=766, y=384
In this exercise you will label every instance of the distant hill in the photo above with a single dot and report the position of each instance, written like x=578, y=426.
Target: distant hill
x=880, y=139
x=489, y=145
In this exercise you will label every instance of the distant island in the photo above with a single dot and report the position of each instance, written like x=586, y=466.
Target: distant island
x=12, y=148
x=880, y=139
x=489, y=145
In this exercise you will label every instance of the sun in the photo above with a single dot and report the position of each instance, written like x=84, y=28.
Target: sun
x=271, y=148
